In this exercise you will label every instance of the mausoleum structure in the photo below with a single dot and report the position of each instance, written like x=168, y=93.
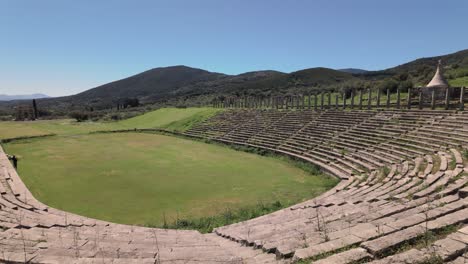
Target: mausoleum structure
x=438, y=85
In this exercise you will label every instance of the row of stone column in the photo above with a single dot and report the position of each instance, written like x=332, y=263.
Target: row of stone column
x=305, y=102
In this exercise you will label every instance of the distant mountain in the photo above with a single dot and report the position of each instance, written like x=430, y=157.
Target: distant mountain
x=165, y=84
x=353, y=70
x=5, y=97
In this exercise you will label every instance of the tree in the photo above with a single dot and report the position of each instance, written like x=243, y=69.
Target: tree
x=79, y=116
x=405, y=85
x=390, y=84
x=35, y=112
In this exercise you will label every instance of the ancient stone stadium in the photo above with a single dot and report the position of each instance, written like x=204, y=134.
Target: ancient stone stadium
x=402, y=195
x=233, y=132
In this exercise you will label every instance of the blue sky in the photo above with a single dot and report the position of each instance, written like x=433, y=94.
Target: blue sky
x=61, y=47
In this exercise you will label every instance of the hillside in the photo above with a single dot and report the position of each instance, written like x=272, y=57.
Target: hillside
x=421, y=71
x=182, y=85
x=353, y=70
x=174, y=84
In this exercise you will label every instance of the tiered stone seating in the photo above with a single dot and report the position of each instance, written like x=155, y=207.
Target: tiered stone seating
x=404, y=180
x=272, y=136
x=221, y=124
x=261, y=121
x=399, y=185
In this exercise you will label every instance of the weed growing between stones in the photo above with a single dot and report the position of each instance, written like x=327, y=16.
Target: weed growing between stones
x=433, y=259
x=19, y=219
x=322, y=227
x=229, y=216
x=423, y=241
x=156, y=245
x=427, y=232
x=452, y=163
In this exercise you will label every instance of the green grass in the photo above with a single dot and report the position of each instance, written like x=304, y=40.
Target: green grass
x=137, y=178
x=463, y=81
x=169, y=118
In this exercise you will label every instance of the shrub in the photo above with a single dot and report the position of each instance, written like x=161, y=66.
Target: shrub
x=79, y=116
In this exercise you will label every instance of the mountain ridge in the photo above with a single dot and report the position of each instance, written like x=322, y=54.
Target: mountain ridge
x=183, y=85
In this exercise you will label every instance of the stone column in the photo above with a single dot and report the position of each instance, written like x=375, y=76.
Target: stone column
x=329, y=100
x=388, y=98
x=398, y=98
x=369, y=99
x=321, y=100
x=308, y=102
x=378, y=98
x=420, y=99
x=336, y=101
x=447, y=98
x=360, y=99
x=287, y=102
x=315, y=102
x=352, y=99
x=462, y=98
x=344, y=100
x=408, y=100
x=433, y=100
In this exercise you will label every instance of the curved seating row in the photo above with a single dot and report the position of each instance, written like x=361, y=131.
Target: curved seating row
x=402, y=198
x=403, y=177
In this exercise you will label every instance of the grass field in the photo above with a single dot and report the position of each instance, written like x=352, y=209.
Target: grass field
x=462, y=81
x=137, y=178
x=169, y=118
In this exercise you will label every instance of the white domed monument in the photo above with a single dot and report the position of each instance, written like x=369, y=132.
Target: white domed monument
x=436, y=90
x=438, y=80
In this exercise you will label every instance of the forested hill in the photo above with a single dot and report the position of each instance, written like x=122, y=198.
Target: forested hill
x=182, y=85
